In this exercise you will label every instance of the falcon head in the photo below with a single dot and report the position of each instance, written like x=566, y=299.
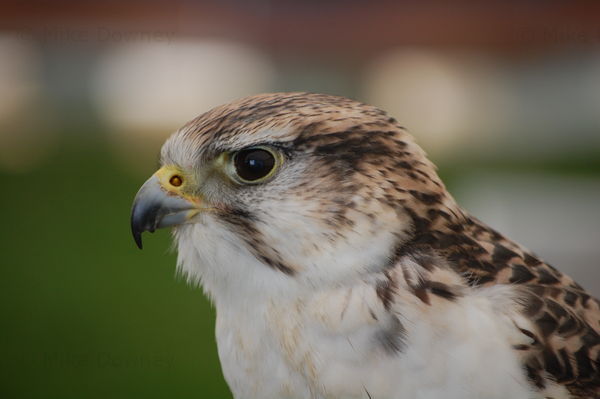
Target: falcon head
x=288, y=190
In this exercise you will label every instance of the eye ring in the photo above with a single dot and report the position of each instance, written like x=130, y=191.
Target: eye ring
x=255, y=165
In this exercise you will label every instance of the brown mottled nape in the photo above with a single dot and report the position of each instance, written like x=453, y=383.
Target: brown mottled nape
x=566, y=345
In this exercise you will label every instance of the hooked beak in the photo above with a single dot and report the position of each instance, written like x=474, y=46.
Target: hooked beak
x=155, y=207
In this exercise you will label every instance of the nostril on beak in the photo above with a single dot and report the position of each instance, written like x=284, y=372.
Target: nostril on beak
x=176, y=181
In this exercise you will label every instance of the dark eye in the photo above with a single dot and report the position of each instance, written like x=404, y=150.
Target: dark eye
x=254, y=164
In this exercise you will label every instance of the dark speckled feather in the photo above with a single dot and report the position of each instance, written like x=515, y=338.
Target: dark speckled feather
x=360, y=150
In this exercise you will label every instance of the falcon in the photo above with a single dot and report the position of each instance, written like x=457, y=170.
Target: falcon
x=340, y=267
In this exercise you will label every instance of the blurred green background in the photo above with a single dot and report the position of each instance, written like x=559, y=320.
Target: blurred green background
x=85, y=313
x=504, y=96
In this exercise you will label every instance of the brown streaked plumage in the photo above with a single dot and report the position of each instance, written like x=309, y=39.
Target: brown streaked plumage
x=360, y=164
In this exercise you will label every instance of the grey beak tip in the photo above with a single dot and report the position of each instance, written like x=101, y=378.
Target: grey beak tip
x=137, y=237
x=136, y=231
x=153, y=209
x=144, y=217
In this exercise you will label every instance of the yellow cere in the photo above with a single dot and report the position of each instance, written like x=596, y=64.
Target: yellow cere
x=175, y=181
